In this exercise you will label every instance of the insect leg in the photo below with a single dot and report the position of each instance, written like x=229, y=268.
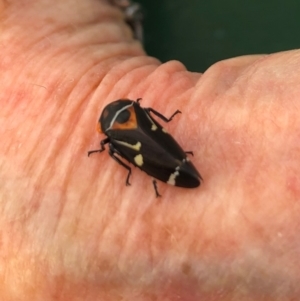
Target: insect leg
x=112, y=152
x=155, y=188
x=102, y=148
x=162, y=116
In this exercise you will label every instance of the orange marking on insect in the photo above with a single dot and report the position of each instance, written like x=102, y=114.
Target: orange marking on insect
x=99, y=129
x=131, y=124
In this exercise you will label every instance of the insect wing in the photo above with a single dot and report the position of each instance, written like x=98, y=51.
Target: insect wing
x=153, y=150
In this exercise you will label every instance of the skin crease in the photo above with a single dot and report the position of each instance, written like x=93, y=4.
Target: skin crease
x=69, y=227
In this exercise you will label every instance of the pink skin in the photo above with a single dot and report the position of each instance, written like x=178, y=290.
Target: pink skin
x=69, y=227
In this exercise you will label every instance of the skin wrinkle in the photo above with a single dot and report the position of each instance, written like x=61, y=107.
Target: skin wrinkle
x=108, y=230
x=123, y=74
x=51, y=151
x=162, y=75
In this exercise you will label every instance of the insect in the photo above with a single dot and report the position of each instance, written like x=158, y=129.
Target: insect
x=134, y=135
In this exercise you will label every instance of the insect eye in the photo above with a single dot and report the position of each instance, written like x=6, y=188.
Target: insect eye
x=123, y=117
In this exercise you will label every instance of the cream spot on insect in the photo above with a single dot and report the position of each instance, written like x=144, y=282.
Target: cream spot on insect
x=164, y=130
x=172, y=177
x=153, y=127
x=136, y=146
x=138, y=159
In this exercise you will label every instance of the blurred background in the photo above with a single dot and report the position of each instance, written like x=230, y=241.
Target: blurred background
x=200, y=33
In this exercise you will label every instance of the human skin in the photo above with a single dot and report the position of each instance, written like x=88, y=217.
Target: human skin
x=69, y=227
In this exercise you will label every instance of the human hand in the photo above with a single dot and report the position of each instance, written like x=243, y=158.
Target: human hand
x=72, y=230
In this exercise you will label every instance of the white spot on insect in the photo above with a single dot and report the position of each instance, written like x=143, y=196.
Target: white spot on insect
x=136, y=146
x=172, y=177
x=164, y=130
x=153, y=127
x=186, y=160
x=138, y=159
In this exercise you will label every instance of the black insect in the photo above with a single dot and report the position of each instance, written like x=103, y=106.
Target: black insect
x=134, y=135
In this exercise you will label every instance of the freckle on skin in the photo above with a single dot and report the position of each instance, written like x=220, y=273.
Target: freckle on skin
x=186, y=268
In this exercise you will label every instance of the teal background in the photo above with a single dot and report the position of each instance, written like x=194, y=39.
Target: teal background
x=200, y=33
